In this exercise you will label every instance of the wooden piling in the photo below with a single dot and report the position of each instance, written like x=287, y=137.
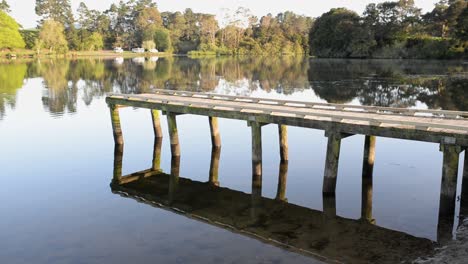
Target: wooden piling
x=283, y=142
x=448, y=190
x=256, y=153
x=331, y=164
x=369, y=157
x=156, y=164
x=174, y=177
x=118, y=162
x=156, y=123
x=282, y=179
x=116, y=128
x=464, y=191
x=214, y=166
x=173, y=134
x=214, y=129
x=367, y=179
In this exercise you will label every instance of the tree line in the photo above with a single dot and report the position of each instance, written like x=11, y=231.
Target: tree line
x=395, y=29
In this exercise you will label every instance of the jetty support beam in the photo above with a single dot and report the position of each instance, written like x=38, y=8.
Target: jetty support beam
x=116, y=128
x=367, y=178
x=256, y=154
x=214, y=129
x=331, y=162
x=448, y=189
x=156, y=123
x=282, y=179
x=156, y=164
x=283, y=142
x=173, y=134
x=214, y=166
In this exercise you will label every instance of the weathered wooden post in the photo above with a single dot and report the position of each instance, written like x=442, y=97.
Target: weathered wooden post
x=214, y=166
x=283, y=142
x=215, y=136
x=116, y=128
x=448, y=190
x=156, y=123
x=282, y=179
x=331, y=162
x=118, y=161
x=367, y=178
x=173, y=134
x=256, y=154
x=464, y=191
x=174, y=177
x=329, y=205
x=157, y=154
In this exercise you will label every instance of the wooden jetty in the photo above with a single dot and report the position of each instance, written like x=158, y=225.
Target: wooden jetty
x=320, y=235
x=447, y=128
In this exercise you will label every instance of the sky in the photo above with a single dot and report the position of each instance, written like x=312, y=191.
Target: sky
x=23, y=10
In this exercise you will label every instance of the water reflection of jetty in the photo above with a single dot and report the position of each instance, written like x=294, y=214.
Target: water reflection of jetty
x=321, y=235
x=275, y=220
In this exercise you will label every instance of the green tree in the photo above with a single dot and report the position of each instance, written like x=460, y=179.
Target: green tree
x=93, y=42
x=10, y=36
x=52, y=36
x=338, y=33
x=162, y=39
x=30, y=36
x=4, y=6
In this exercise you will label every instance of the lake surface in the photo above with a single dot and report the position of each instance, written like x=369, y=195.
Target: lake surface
x=57, y=161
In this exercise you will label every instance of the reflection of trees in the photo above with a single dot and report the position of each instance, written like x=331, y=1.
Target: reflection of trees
x=59, y=96
x=11, y=79
x=389, y=83
x=382, y=83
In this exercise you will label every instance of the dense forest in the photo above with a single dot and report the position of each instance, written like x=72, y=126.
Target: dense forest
x=396, y=29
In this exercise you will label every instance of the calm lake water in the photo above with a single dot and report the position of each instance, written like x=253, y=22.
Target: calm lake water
x=57, y=163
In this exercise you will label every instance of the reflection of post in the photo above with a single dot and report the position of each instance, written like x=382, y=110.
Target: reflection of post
x=448, y=191
x=283, y=141
x=173, y=134
x=156, y=123
x=116, y=128
x=283, y=176
x=256, y=153
x=367, y=178
x=118, y=160
x=157, y=154
x=215, y=136
x=174, y=177
x=214, y=166
x=331, y=163
x=256, y=199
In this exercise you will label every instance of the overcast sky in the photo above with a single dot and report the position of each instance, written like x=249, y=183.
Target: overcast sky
x=23, y=10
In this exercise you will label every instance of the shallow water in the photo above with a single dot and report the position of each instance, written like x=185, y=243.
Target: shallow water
x=57, y=157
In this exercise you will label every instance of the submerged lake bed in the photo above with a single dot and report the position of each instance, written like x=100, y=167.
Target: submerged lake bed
x=58, y=161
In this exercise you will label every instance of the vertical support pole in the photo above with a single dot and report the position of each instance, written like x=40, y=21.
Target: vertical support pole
x=156, y=123
x=282, y=179
x=157, y=154
x=118, y=161
x=331, y=163
x=283, y=142
x=174, y=177
x=464, y=191
x=214, y=166
x=448, y=191
x=329, y=205
x=116, y=128
x=173, y=134
x=256, y=154
x=367, y=179
x=215, y=136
